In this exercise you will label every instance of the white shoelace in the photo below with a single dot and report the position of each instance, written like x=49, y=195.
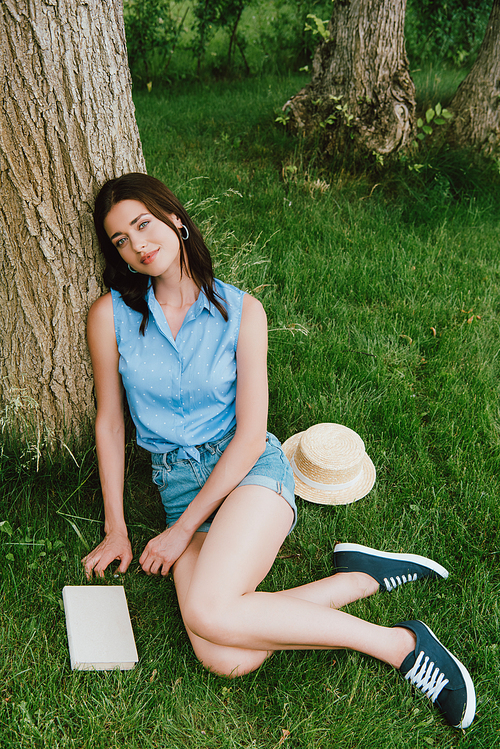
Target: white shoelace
x=427, y=678
x=393, y=582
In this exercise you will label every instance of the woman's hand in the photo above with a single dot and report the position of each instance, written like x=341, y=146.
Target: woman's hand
x=115, y=545
x=162, y=551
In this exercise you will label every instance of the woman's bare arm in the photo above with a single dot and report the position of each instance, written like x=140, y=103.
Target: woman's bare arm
x=110, y=438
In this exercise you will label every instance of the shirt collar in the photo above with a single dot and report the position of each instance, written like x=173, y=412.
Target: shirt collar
x=204, y=303
x=198, y=306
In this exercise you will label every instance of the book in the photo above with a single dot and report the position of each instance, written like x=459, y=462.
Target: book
x=100, y=635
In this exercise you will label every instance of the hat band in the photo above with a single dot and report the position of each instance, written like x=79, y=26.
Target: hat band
x=324, y=487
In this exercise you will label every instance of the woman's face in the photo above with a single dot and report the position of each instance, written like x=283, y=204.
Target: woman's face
x=147, y=244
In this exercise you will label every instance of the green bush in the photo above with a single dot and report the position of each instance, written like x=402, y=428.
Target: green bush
x=445, y=33
x=170, y=40
x=177, y=39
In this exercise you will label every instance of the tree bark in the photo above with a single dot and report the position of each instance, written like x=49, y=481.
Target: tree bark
x=361, y=92
x=476, y=104
x=67, y=124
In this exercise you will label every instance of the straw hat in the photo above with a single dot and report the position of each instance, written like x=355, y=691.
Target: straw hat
x=330, y=464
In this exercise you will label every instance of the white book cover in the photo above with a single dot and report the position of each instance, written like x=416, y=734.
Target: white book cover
x=100, y=635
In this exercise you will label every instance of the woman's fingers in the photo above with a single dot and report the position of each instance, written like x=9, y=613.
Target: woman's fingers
x=162, y=551
x=111, y=547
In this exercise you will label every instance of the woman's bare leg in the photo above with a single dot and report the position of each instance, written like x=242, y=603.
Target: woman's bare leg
x=221, y=607
x=223, y=660
x=337, y=590
x=334, y=591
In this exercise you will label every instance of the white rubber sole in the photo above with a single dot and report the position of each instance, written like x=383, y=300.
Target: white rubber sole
x=423, y=561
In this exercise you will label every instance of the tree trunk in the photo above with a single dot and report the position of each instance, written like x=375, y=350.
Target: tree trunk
x=361, y=92
x=66, y=125
x=232, y=38
x=476, y=104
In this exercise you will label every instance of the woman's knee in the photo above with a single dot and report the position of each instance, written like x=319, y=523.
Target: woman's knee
x=206, y=620
x=210, y=632
x=229, y=662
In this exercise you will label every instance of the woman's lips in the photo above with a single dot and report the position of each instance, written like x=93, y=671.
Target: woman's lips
x=147, y=259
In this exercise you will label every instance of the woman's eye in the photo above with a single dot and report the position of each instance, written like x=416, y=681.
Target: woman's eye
x=120, y=242
x=143, y=224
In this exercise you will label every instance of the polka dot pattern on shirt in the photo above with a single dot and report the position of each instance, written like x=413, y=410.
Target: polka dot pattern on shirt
x=181, y=393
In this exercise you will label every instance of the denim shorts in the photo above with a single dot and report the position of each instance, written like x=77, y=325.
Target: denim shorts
x=180, y=479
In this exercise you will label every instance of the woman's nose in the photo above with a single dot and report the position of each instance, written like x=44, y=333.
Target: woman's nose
x=138, y=243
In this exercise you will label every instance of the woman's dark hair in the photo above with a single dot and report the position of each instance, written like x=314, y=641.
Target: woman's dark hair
x=161, y=203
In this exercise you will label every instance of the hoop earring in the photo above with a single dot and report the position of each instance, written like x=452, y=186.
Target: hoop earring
x=186, y=230
x=131, y=269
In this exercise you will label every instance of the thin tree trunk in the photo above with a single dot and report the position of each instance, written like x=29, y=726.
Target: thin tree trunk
x=476, y=104
x=66, y=125
x=232, y=38
x=242, y=53
x=202, y=31
x=174, y=44
x=361, y=93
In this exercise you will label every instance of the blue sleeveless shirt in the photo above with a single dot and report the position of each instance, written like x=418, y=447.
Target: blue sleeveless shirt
x=181, y=393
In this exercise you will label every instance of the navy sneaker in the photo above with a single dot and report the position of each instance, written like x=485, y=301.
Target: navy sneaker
x=389, y=570
x=440, y=676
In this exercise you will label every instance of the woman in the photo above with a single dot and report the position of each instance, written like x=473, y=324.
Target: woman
x=190, y=352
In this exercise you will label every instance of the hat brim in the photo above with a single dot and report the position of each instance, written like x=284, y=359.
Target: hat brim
x=341, y=497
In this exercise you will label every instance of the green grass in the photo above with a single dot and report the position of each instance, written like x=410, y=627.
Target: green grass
x=436, y=84
x=383, y=310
